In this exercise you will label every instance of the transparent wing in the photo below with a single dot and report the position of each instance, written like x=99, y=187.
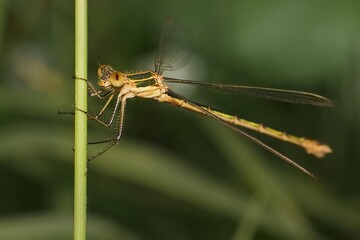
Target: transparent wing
x=174, y=47
x=267, y=93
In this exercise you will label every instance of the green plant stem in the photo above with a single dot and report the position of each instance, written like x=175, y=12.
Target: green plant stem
x=80, y=120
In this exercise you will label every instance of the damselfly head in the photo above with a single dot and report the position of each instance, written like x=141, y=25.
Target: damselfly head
x=104, y=72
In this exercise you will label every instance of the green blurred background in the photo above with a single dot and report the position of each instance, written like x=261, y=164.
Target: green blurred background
x=178, y=175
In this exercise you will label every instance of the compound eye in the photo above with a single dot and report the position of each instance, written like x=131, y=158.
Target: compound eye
x=100, y=71
x=104, y=71
x=117, y=79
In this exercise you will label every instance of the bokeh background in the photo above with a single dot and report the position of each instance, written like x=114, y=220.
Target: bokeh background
x=178, y=175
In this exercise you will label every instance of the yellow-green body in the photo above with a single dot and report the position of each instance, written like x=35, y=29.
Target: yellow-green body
x=150, y=84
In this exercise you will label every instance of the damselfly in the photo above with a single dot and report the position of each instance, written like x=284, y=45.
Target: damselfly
x=120, y=86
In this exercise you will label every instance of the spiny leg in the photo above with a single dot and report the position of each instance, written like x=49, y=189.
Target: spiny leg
x=96, y=117
x=116, y=140
x=92, y=89
x=105, y=106
x=89, y=115
x=94, y=92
